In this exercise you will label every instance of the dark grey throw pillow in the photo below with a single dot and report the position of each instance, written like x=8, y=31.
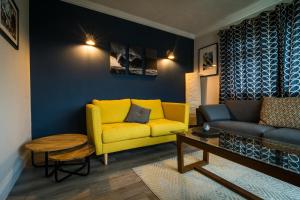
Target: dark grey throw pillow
x=138, y=114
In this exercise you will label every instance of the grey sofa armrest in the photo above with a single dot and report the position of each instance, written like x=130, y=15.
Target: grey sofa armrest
x=217, y=112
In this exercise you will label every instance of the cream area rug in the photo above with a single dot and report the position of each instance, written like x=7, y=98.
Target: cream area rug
x=168, y=184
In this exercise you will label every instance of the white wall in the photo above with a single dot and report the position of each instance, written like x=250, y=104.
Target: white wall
x=192, y=94
x=204, y=90
x=15, y=117
x=209, y=85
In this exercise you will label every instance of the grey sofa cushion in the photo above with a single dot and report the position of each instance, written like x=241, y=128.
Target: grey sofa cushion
x=244, y=110
x=287, y=135
x=138, y=114
x=242, y=128
x=216, y=112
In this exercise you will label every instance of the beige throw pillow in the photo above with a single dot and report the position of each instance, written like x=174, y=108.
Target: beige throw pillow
x=281, y=112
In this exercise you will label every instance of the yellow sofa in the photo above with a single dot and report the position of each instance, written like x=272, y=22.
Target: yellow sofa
x=109, y=133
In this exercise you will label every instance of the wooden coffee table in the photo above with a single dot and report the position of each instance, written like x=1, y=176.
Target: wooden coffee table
x=54, y=143
x=232, y=146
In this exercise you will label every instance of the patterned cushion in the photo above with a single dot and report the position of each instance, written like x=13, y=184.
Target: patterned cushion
x=281, y=112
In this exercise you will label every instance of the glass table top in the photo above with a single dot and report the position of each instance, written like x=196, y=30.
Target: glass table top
x=270, y=151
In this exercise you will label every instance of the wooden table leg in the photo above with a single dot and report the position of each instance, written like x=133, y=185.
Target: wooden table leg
x=180, y=158
x=227, y=184
x=198, y=166
x=205, y=156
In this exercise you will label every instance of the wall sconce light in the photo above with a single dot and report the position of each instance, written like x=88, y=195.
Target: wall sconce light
x=170, y=55
x=90, y=40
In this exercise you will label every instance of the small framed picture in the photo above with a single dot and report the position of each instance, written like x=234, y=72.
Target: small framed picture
x=9, y=22
x=208, y=60
x=135, y=60
x=151, y=62
x=118, y=58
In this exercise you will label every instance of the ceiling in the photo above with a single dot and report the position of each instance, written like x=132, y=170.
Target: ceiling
x=189, y=18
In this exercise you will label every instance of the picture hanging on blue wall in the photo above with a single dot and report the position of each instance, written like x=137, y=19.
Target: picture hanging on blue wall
x=118, y=58
x=136, y=60
x=151, y=62
x=133, y=60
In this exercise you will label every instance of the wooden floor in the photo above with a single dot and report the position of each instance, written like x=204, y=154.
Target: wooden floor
x=115, y=181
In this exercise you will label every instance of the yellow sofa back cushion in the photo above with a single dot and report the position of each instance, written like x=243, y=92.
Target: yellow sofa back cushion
x=113, y=111
x=155, y=106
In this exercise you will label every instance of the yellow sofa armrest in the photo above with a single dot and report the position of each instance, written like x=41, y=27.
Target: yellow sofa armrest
x=94, y=127
x=177, y=112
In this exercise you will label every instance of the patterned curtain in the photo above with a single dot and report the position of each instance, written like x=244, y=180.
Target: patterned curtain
x=261, y=56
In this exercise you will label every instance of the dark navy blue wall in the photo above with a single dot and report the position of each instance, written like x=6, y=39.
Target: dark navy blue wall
x=66, y=74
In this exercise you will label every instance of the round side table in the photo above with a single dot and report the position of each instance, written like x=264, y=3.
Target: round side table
x=62, y=158
x=54, y=143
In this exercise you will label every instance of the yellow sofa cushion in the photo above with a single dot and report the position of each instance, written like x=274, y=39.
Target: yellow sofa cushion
x=124, y=131
x=154, y=105
x=113, y=111
x=161, y=127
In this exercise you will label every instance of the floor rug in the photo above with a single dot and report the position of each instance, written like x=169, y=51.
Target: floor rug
x=167, y=184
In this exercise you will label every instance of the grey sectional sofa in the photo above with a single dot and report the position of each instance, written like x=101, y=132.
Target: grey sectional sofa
x=242, y=117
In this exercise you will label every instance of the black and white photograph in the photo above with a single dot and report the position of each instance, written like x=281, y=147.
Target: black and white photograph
x=118, y=58
x=9, y=22
x=208, y=60
x=136, y=60
x=151, y=62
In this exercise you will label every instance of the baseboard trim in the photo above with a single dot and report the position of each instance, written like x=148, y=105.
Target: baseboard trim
x=11, y=178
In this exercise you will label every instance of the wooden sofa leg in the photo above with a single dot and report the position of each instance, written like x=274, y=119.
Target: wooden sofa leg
x=105, y=159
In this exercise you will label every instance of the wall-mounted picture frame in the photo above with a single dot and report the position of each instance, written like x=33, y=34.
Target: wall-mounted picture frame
x=136, y=60
x=118, y=58
x=9, y=22
x=151, y=62
x=208, y=60
x=133, y=60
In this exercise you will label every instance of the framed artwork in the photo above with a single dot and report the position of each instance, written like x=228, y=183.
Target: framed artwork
x=151, y=62
x=136, y=60
x=118, y=58
x=9, y=22
x=208, y=60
